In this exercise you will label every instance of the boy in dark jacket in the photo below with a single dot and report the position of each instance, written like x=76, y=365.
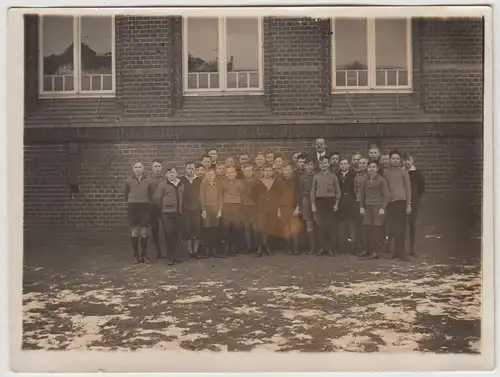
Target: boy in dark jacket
x=289, y=208
x=417, y=182
x=169, y=198
x=267, y=193
x=373, y=198
x=157, y=177
x=191, y=209
x=138, y=194
x=348, y=209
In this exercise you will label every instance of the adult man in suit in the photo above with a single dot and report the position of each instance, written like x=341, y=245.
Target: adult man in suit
x=320, y=151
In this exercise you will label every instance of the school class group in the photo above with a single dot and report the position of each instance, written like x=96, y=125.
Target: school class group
x=319, y=203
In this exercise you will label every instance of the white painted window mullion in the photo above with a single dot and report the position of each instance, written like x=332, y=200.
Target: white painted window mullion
x=77, y=53
x=222, y=54
x=372, y=63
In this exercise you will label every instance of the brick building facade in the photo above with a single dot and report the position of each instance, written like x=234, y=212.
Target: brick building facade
x=79, y=148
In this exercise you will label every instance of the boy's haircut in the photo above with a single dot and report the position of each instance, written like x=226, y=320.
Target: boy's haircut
x=373, y=162
x=268, y=166
x=210, y=170
x=323, y=158
x=220, y=163
x=170, y=168
x=204, y=155
x=270, y=151
x=198, y=165
x=394, y=151
x=230, y=167
x=356, y=154
x=246, y=166
x=212, y=149
x=157, y=160
x=302, y=156
x=344, y=159
x=190, y=163
x=137, y=162
x=288, y=163
x=335, y=154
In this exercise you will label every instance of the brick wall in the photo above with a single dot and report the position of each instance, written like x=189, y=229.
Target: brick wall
x=449, y=78
x=294, y=65
x=30, y=62
x=145, y=57
x=452, y=168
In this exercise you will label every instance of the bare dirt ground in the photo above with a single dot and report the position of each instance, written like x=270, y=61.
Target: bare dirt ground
x=83, y=293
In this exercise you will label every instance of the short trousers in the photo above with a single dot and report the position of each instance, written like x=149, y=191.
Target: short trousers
x=305, y=209
x=192, y=223
x=139, y=214
x=231, y=213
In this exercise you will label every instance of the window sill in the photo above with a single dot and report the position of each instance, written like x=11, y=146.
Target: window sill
x=373, y=91
x=223, y=94
x=75, y=95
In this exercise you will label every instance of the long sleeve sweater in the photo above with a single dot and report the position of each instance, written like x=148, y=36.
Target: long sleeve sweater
x=325, y=185
x=358, y=181
x=305, y=184
x=211, y=195
x=232, y=191
x=290, y=192
x=374, y=192
x=138, y=190
x=399, y=184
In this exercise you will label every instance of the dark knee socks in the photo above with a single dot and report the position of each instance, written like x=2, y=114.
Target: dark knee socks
x=135, y=246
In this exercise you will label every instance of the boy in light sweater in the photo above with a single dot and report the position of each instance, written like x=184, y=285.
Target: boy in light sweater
x=373, y=198
x=399, y=206
x=325, y=197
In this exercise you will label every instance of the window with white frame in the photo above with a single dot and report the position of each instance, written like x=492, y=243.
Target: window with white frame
x=77, y=55
x=372, y=54
x=222, y=54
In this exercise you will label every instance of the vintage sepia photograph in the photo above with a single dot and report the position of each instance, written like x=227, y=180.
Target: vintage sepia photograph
x=220, y=181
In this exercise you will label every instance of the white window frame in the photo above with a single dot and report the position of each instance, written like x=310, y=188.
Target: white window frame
x=371, y=39
x=222, y=90
x=77, y=37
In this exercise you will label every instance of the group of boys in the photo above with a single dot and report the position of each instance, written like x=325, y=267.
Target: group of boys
x=224, y=208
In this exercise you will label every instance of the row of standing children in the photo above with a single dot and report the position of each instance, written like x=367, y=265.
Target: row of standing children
x=215, y=203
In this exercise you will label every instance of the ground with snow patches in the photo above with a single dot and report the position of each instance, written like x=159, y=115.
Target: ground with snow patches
x=97, y=300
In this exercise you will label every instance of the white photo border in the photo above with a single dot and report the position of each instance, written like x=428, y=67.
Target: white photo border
x=199, y=362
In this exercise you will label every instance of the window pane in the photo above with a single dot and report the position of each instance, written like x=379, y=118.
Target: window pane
x=96, y=51
x=202, y=43
x=242, y=51
x=57, y=49
x=391, y=52
x=351, y=52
